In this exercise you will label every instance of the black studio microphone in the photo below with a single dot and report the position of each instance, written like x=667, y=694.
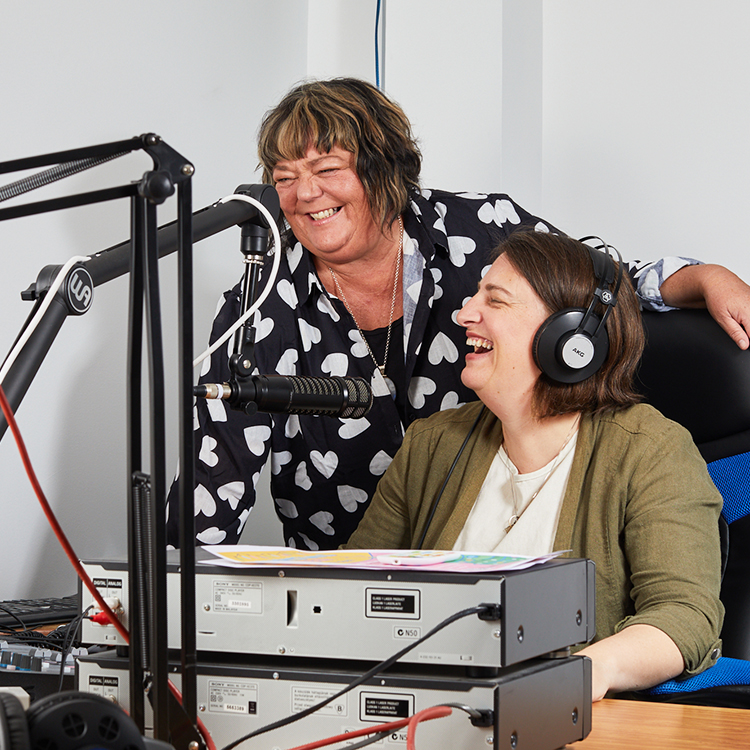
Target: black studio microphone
x=348, y=398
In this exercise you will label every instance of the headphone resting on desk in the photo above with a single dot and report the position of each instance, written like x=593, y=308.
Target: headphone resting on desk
x=68, y=721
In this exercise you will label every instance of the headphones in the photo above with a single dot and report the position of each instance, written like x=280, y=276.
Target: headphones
x=69, y=721
x=572, y=344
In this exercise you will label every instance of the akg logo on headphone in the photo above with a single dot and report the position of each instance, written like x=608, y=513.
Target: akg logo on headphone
x=606, y=296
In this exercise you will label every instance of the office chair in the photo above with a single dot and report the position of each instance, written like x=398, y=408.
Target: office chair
x=696, y=375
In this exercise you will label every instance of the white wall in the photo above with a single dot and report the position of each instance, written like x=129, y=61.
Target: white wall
x=79, y=74
x=646, y=122
x=624, y=119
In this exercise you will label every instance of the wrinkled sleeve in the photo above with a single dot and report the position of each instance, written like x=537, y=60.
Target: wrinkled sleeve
x=230, y=452
x=648, y=278
x=672, y=545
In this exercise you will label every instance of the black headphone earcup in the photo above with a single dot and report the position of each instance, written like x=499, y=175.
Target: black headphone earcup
x=14, y=728
x=75, y=719
x=567, y=356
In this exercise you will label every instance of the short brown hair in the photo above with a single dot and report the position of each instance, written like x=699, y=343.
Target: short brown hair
x=560, y=270
x=353, y=115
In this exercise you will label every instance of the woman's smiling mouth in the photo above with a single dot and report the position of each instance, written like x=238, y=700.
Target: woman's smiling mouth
x=324, y=214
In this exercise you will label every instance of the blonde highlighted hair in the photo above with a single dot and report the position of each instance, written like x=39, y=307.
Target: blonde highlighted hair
x=357, y=117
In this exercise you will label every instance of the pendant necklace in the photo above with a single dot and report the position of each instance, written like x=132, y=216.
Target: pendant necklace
x=513, y=520
x=391, y=385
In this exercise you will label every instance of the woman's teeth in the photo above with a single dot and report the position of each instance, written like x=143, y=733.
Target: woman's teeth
x=480, y=344
x=318, y=215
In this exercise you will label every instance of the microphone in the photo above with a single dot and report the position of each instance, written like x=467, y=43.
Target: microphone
x=348, y=398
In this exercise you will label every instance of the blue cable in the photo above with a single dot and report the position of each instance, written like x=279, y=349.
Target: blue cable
x=377, y=55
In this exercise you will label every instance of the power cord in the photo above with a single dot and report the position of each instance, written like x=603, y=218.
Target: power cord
x=377, y=669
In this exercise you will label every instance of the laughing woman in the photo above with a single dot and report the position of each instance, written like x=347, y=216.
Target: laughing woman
x=550, y=464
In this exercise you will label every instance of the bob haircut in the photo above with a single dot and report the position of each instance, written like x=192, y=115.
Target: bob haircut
x=559, y=269
x=355, y=116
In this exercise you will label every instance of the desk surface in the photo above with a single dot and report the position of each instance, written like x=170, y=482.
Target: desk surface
x=639, y=725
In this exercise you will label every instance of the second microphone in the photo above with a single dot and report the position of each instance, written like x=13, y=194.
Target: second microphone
x=348, y=398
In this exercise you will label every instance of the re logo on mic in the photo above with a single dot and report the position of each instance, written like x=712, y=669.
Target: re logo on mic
x=79, y=290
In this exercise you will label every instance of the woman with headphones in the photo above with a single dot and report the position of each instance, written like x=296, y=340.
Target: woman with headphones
x=559, y=455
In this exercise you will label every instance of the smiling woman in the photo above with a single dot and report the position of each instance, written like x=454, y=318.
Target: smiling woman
x=542, y=465
x=372, y=274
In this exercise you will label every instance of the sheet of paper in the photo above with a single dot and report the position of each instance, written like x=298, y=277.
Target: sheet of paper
x=249, y=556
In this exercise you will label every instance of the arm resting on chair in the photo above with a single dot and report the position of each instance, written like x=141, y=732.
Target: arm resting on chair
x=726, y=296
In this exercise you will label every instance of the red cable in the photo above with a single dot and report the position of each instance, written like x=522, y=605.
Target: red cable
x=56, y=528
x=68, y=549
x=400, y=724
x=429, y=713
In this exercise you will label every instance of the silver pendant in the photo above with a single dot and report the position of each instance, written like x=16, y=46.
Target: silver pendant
x=511, y=522
x=391, y=386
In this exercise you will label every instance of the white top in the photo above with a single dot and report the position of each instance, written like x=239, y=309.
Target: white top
x=534, y=498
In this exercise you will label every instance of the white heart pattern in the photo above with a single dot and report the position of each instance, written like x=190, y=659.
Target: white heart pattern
x=287, y=508
x=309, y=543
x=211, y=536
x=204, y=502
x=286, y=291
x=418, y=389
x=232, y=493
x=450, y=401
x=359, y=348
x=327, y=464
x=459, y=247
x=310, y=334
x=287, y=364
x=442, y=348
x=301, y=479
x=335, y=364
x=351, y=497
x=437, y=274
x=243, y=518
x=294, y=256
x=502, y=211
x=206, y=453
x=380, y=462
x=325, y=306
x=322, y=520
x=256, y=437
x=279, y=461
x=292, y=426
x=352, y=427
x=216, y=409
x=263, y=326
x=474, y=196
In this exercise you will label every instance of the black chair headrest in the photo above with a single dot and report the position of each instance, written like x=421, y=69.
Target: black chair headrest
x=696, y=375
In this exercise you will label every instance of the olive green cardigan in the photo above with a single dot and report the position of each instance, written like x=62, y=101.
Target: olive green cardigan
x=639, y=503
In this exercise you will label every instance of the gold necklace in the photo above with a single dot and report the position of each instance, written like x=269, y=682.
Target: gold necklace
x=513, y=520
x=391, y=385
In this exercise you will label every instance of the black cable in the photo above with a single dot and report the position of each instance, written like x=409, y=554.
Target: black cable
x=14, y=616
x=69, y=639
x=447, y=477
x=377, y=669
x=368, y=740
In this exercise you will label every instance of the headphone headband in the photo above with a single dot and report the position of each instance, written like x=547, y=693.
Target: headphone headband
x=604, y=271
